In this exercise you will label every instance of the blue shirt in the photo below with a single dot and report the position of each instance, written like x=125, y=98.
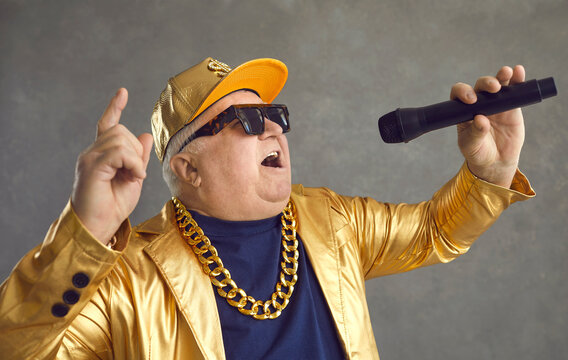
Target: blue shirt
x=251, y=251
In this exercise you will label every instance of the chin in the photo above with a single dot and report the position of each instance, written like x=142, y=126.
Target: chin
x=280, y=192
x=276, y=200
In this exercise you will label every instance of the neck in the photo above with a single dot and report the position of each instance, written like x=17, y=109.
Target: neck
x=228, y=211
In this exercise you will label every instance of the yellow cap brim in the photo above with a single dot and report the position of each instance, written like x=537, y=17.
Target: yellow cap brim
x=265, y=76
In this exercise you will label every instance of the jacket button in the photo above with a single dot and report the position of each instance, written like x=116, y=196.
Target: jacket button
x=71, y=297
x=59, y=310
x=80, y=280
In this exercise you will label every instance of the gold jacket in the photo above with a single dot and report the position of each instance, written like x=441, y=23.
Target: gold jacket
x=151, y=300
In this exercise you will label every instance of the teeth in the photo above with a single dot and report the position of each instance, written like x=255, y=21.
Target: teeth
x=272, y=155
x=270, y=159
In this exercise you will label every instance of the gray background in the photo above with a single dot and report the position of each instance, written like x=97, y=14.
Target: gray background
x=349, y=63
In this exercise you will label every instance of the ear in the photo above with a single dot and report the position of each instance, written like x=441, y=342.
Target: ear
x=184, y=165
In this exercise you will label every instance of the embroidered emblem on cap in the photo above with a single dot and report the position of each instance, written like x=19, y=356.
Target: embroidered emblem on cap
x=221, y=69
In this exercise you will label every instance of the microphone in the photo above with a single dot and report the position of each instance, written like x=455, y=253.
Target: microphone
x=409, y=123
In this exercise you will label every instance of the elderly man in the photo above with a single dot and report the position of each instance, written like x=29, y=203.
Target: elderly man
x=240, y=264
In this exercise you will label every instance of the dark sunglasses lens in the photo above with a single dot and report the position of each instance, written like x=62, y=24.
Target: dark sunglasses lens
x=252, y=120
x=278, y=115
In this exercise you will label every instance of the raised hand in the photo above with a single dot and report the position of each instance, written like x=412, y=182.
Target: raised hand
x=110, y=172
x=492, y=145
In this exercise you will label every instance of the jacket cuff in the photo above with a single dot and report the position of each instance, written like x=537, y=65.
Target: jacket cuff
x=83, y=237
x=520, y=189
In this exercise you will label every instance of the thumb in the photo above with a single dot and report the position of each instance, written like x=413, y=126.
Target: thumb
x=146, y=140
x=471, y=134
x=479, y=127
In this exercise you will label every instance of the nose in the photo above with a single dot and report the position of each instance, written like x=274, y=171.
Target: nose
x=270, y=129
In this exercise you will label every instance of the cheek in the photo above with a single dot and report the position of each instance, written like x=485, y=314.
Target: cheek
x=283, y=141
x=235, y=168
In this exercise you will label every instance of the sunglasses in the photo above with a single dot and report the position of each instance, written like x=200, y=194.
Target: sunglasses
x=251, y=117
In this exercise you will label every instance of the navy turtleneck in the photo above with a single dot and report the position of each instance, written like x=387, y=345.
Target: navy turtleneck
x=251, y=251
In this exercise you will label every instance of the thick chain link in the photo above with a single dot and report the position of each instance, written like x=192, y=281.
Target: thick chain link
x=221, y=277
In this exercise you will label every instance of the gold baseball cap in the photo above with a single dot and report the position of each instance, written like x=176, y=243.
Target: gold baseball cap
x=189, y=93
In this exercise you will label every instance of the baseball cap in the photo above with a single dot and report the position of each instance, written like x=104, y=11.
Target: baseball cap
x=192, y=91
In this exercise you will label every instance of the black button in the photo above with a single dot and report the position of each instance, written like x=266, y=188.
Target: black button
x=71, y=297
x=59, y=310
x=80, y=280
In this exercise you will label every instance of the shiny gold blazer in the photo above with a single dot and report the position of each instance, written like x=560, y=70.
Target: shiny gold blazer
x=149, y=298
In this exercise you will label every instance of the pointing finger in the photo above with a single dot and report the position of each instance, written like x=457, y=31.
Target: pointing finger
x=111, y=116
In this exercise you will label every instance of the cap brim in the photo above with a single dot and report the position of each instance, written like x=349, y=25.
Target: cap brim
x=265, y=76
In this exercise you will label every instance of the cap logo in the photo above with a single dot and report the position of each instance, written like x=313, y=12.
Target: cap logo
x=219, y=68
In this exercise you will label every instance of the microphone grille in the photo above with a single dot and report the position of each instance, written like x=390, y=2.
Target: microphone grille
x=388, y=127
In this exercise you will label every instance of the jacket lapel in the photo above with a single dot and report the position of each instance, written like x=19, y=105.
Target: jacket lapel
x=186, y=280
x=314, y=222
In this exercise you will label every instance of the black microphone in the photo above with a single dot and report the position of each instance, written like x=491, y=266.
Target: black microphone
x=409, y=123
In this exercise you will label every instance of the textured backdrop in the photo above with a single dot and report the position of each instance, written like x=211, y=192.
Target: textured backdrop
x=349, y=63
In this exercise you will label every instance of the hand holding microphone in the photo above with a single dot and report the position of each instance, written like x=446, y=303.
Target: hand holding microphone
x=492, y=142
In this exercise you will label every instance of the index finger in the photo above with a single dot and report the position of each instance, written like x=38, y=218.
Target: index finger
x=111, y=116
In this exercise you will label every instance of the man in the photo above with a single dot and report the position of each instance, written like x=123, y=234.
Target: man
x=240, y=264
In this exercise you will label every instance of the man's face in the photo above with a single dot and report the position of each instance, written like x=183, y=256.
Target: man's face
x=243, y=177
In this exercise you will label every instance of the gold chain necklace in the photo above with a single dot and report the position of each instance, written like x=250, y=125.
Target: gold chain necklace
x=207, y=255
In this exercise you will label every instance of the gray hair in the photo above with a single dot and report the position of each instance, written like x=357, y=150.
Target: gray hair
x=187, y=133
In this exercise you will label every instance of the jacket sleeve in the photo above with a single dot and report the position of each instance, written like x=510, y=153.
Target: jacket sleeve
x=395, y=238
x=50, y=286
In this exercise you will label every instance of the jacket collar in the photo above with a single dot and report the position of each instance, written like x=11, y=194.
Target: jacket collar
x=184, y=277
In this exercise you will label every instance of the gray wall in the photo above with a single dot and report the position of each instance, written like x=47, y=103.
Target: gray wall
x=349, y=63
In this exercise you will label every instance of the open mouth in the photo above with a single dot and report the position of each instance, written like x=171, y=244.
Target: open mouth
x=272, y=160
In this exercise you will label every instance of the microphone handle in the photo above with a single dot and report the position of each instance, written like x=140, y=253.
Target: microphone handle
x=417, y=121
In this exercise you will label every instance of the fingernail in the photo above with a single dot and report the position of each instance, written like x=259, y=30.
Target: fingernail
x=470, y=95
